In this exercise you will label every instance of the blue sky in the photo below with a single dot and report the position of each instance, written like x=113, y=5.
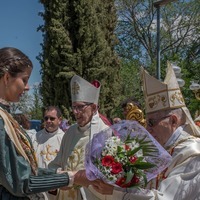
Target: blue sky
x=19, y=21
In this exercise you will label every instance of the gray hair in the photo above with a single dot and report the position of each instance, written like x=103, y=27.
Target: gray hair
x=178, y=112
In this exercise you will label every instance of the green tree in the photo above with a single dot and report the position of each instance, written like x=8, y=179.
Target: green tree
x=79, y=39
x=191, y=72
x=36, y=108
x=56, y=56
x=179, y=39
x=29, y=104
x=23, y=105
x=131, y=84
x=137, y=28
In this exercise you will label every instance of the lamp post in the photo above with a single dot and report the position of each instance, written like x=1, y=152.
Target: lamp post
x=157, y=5
x=195, y=87
x=177, y=71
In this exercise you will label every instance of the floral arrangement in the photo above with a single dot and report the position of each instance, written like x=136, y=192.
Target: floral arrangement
x=123, y=161
x=125, y=155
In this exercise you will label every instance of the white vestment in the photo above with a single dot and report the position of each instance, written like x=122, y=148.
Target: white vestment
x=46, y=146
x=72, y=156
x=181, y=180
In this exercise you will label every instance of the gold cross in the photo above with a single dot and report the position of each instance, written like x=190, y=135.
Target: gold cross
x=75, y=88
x=48, y=153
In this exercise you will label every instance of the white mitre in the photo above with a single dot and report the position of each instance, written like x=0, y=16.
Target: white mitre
x=83, y=91
x=162, y=95
x=166, y=95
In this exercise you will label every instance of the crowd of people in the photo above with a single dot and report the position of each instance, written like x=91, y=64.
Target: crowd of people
x=50, y=163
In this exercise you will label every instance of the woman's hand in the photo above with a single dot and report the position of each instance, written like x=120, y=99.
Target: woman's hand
x=101, y=187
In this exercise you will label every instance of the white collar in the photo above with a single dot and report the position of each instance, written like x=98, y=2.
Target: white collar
x=51, y=133
x=93, y=125
x=174, y=137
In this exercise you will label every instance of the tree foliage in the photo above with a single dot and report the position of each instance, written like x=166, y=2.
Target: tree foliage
x=29, y=104
x=23, y=105
x=36, y=111
x=79, y=39
x=137, y=28
x=179, y=37
x=56, y=55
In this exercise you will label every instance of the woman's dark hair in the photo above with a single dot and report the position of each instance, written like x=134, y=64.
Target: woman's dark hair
x=13, y=61
x=22, y=120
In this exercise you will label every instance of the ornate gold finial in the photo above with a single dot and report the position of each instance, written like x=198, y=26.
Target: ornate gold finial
x=134, y=113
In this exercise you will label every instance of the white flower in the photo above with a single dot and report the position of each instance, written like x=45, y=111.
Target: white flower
x=121, y=152
x=139, y=153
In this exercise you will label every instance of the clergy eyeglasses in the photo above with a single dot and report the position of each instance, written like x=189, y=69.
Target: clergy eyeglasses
x=153, y=122
x=80, y=108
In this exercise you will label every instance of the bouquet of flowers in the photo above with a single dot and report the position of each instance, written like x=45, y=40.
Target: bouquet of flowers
x=125, y=155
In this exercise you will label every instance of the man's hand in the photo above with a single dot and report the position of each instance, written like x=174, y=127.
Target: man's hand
x=81, y=179
x=102, y=187
x=65, y=188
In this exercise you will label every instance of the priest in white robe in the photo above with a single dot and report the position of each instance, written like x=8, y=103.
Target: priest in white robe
x=170, y=123
x=71, y=156
x=47, y=141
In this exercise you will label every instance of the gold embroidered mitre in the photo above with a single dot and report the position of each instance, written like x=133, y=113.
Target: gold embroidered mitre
x=82, y=90
x=162, y=95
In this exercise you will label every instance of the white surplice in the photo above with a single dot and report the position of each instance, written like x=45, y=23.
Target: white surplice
x=46, y=145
